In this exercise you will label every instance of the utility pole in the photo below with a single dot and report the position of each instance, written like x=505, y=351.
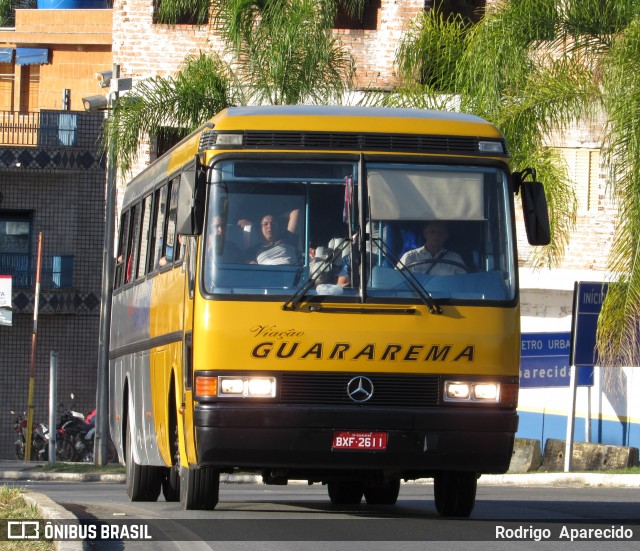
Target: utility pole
x=32, y=363
x=102, y=391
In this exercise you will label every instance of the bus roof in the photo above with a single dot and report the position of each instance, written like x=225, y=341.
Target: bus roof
x=317, y=119
x=353, y=119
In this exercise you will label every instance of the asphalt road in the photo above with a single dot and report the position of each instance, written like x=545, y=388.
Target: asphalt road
x=265, y=518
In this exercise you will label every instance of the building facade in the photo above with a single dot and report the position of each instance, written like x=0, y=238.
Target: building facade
x=52, y=183
x=58, y=186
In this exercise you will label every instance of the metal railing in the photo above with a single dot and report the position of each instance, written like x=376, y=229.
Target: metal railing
x=19, y=128
x=51, y=129
x=56, y=271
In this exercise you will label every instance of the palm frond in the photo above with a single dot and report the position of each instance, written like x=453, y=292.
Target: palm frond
x=561, y=201
x=295, y=58
x=172, y=12
x=429, y=52
x=593, y=24
x=236, y=19
x=619, y=322
x=8, y=10
x=201, y=89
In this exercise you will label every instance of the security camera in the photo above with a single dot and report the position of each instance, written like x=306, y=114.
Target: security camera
x=95, y=103
x=104, y=78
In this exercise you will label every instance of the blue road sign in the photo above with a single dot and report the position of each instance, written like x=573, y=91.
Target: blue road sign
x=587, y=303
x=544, y=361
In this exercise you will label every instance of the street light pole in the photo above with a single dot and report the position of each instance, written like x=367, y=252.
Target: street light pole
x=102, y=392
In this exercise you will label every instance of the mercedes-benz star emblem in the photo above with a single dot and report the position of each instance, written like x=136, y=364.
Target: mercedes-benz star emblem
x=360, y=389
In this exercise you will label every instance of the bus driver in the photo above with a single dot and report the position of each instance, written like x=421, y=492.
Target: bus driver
x=432, y=258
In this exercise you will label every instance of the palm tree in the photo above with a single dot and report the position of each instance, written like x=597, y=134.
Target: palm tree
x=284, y=53
x=489, y=70
x=203, y=87
x=535, y=67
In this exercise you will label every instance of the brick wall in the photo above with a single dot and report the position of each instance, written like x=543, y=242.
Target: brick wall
x=79, y=43
x=75, y=70
x=144, y=49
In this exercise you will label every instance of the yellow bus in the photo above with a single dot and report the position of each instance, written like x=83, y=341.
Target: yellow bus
x=327, y=294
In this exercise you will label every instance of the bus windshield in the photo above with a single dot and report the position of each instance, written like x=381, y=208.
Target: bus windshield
x=276, y=227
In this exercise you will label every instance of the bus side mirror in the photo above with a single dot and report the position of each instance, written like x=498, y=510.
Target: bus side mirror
x=191, y=201
x=536, y=214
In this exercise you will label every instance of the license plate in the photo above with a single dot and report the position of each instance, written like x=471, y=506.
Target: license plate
x=350, y=440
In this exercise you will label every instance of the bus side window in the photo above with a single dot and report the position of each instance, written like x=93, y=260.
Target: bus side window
x=170, y=237
x=134, y=244
x=122, y=250
x=159, y=215
x=144, y=237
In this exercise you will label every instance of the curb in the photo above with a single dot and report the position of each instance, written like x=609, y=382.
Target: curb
x=84, y=477
x=565, y=479
x=50, y=510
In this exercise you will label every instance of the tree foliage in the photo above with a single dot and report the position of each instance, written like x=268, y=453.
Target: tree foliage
x=203, y=87
x=535, y=67
x=280, y=52
x=8, y=10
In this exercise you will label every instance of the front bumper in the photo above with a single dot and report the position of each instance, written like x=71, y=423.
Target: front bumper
x=299, y=439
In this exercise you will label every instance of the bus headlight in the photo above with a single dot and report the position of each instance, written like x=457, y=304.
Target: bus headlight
x=457, y=391
x=472, y=391
x=247, y=387
x=210, y=386
x=486, y=391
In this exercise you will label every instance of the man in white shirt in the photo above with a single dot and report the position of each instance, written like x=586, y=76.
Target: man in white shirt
x=432, y=258
x=273, y=249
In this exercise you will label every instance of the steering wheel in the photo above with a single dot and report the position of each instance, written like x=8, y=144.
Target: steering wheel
x=435, y=261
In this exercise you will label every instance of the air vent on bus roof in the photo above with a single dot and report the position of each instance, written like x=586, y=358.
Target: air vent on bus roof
x=347, y=141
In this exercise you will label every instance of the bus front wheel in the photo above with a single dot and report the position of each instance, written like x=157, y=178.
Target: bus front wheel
x=455, y=493
x=199, y=488
x=143, y=481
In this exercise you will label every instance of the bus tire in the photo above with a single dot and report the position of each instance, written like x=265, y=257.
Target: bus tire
x=455, y=493
x=345, y=492
x=143, y=481
x=199, y=488
x=171, y=482
x=385, y=493
x=171, y=485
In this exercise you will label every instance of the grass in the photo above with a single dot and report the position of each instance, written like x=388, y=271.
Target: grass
x=13, y=507
x=81, y=468
x=628, y=470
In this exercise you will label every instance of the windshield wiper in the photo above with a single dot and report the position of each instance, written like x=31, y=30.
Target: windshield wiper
x=410, y=278
x=318, y=270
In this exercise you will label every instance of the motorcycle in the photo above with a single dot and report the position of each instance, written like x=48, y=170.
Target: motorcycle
x=39, y=439
x=74, y=436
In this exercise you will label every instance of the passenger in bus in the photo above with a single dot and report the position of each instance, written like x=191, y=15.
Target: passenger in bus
x=344, y=271
x=276, y=248
x=219, y=247
x=432, y=258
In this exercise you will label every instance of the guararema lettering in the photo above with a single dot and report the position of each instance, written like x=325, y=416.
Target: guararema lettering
x=285, y=349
